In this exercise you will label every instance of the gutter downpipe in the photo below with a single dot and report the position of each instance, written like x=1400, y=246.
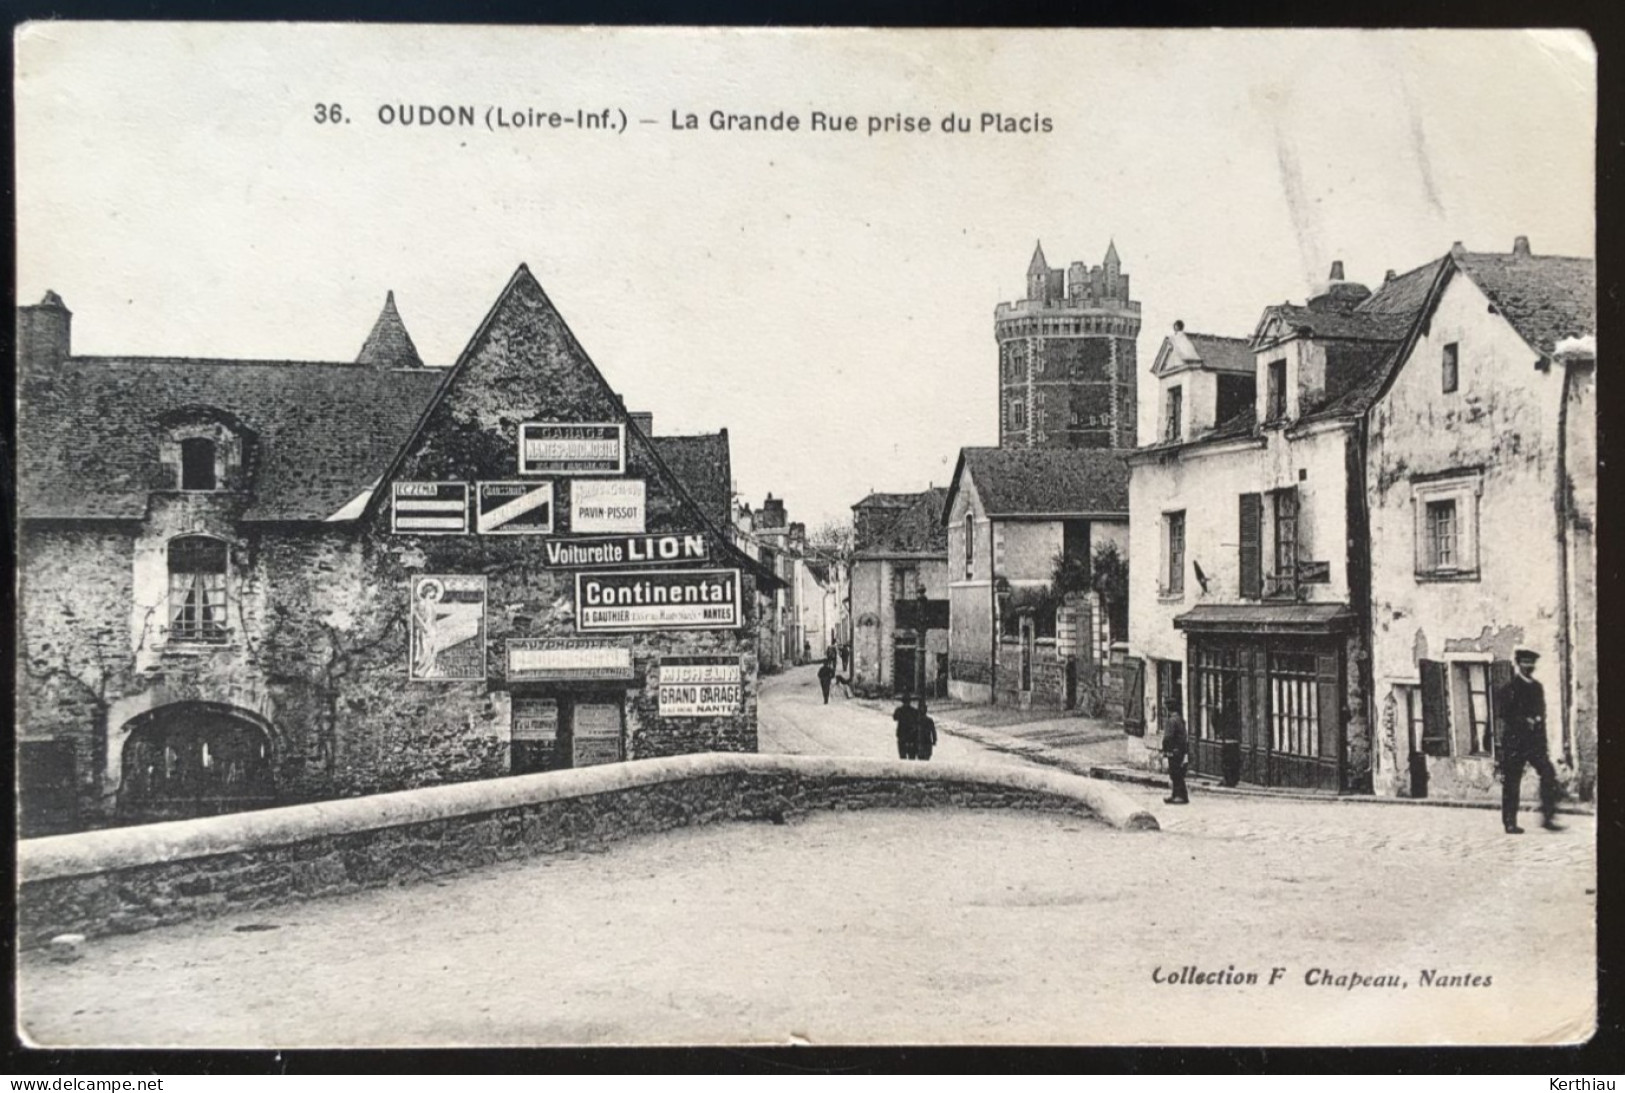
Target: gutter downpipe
x=993, y=618
x=1564, y=614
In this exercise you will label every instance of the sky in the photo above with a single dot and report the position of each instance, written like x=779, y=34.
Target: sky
x=827, y=297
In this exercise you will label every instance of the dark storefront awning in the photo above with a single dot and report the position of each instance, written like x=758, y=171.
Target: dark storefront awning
x=1267, y=618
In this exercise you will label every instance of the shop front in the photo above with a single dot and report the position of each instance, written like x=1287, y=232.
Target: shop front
x=1266, y=689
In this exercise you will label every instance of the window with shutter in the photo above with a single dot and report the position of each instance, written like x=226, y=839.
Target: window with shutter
x=1252, y=537
x=1435, y=708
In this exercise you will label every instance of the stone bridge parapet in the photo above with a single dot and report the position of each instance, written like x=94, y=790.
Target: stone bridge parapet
x=121, y=880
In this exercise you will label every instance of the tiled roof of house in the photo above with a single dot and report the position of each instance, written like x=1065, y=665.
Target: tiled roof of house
x=703, y=464
x=915, y=528
x=389, y=345
x=89, y=430
x=1058, y=482
x=1546, y=299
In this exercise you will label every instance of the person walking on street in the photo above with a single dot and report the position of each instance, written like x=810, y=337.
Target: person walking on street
x=1520, y=707
x=1174, y=745
x=907, y=727
x=925, y=733
x=826, y=676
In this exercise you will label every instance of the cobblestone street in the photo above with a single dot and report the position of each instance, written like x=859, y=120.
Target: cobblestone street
x=934, y=926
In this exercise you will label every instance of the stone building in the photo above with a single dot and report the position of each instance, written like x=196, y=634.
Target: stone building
x=1481, y=468
x=898, y=594
x=1067, y=373
x=244, y=583
x=1249, y=579
x=1015, y=638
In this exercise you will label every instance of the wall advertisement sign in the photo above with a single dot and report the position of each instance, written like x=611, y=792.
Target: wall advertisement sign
x=611, y=551
x=431, y=508
x=514, y=508
x=710, y=686
x=535, y=719
x=687, y=599
x=596, y=734
x=533, y=659
x=607, y=505
x=448, y=628
x=557, y=448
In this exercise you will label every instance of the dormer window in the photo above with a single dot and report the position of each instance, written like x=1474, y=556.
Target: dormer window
x=198, y=464
x=1174, y=412
x=204, y=450
x=1275, y=393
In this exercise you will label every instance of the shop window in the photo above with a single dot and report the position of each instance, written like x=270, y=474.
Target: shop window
x=197, y=589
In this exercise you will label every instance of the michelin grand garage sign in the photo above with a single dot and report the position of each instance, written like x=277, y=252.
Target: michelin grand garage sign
x=688, y=599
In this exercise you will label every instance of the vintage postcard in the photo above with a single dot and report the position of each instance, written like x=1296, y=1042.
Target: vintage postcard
x=593, y=536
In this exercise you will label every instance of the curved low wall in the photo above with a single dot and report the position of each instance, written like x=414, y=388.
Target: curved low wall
x=132, y=878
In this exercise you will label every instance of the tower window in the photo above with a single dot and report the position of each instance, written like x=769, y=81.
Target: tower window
x=197, y=464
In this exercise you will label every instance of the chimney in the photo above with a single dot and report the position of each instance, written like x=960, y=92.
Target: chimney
x=1338, y=294
x=1337, y=270
x=1179, y=326
x=1389, y=276
x=644, y=421
x=44, y=332
x=1520, y=247
x=772, y=512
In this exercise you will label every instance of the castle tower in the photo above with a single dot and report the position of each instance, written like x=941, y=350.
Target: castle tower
x=1067, y=362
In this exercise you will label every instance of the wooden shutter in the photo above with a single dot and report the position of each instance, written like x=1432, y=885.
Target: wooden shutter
x=1500, y=675
x=1134, y=696
x=1435, y=708
x=1329, y=698
x=1252, y=535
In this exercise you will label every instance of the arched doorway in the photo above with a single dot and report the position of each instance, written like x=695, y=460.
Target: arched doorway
x=195, y=759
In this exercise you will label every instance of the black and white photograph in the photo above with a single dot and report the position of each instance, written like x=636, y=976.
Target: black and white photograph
x=628, y=536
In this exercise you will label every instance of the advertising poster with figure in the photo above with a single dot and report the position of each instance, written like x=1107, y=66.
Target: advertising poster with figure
x=448, y=628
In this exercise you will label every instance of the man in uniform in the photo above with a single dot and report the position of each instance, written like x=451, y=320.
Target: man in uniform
x=1521, y=711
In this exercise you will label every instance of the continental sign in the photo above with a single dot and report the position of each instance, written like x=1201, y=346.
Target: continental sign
x=700, y=686
x=608, y=552
x=689, y=599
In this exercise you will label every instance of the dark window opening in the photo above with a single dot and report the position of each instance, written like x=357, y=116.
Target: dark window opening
x=197, y=464
x=1275, y=407
x=1450, y=368
x=1176, y=407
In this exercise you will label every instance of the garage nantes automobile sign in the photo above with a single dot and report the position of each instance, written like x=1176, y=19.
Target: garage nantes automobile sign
x=690, y=599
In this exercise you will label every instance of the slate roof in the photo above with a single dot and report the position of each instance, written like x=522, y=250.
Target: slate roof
x=389, y=345
x=1223, y=354
x=1384, y=316
x=1045, y=482
x=89, y=429
x=1216, y=353
x=914, y=528
x=1545, y=298
x=703, y=464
